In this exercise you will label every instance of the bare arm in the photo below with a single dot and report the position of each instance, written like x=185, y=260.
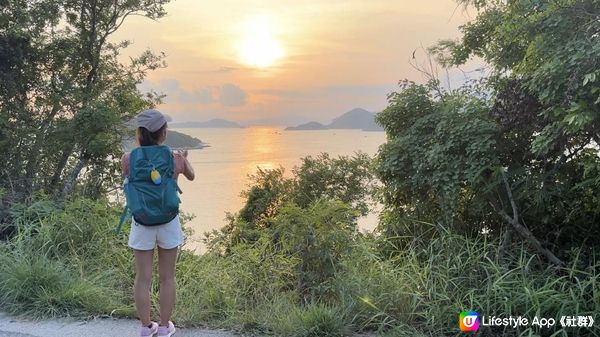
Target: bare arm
x=188, y=170
x=125, y=165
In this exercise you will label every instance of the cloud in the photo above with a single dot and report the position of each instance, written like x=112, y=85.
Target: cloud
x=380, y=90
x=219, y=70
x=176, y=93
x=201, y=96
x=226, y=69
x=199, y=99
x=231, y=95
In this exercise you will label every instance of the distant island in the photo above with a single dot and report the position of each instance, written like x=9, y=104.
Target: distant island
x=175, y=140
x=307, y=126
x=357, y=119
x=181, y=141
x=213, y=123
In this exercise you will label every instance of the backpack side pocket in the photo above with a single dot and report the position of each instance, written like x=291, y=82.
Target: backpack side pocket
x=132, y=197
x=172, y=199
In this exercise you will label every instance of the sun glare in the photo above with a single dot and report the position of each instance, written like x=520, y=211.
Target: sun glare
x=259, y=47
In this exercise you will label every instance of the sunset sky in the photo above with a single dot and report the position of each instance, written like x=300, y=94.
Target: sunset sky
x=283, y=62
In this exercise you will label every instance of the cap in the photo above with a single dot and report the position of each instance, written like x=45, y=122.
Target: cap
x=151, y=119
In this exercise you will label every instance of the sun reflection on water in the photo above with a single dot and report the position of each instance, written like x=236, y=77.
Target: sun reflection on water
x=263, y=145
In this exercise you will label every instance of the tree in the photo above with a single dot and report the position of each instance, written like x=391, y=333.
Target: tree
x=317, y=180
x=437, y=149
x=318, y=236
x=535, y=130
x=346, y=178
x=552, y=49
x=64, y=95
x=547, y=53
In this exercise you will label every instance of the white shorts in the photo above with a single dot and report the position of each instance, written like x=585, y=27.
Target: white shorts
x=166, y=236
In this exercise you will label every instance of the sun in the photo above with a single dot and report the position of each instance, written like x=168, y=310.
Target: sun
x=259, y=47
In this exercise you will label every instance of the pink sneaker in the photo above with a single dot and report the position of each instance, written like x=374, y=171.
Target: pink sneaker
x=149, y=332
x=166, y=331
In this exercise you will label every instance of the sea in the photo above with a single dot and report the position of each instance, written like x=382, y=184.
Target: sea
x=223, y=168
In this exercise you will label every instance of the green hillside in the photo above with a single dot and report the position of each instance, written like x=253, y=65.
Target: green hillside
x=178, y=140
x=175, y=140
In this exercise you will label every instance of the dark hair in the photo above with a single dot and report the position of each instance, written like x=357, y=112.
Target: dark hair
x=146, y=138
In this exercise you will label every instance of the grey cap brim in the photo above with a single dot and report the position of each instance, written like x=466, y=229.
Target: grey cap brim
x=151, y=119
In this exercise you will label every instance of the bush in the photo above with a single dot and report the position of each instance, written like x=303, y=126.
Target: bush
x=39, y=287
x=318, y=237
x=346, y=179
x=221, y=290
x=375, y=293
x=428, y=288
x=67, y=262
x=319, y=321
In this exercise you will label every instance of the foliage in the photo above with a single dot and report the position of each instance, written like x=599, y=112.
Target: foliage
x=433, y=160
x=221, y=290
x=318, y=321
x=554, y=50
x=545, y=52
x=455, y=274
x=318, y=237
x=265, y=196
x=64, y=94
x=254, y=288
x=65, y=261
x=308, y=217
x=348, y=179
x=40, y=287
x=513, y=152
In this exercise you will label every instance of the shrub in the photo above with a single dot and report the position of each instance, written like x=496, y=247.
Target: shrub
x=39, y=287
x=427, y=288
x=320, y=321
x=317, y=237
x=67, y=261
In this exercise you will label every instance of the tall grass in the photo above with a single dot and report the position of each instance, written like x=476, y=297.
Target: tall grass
x=428, y=288
x=39, y=287
x=67, y=262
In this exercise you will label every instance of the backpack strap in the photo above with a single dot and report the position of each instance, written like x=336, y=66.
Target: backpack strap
x=126, y=210
x=124, y=215
x=134, y=155
x=141, y=153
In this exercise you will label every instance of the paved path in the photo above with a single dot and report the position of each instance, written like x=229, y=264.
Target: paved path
x=17, y=327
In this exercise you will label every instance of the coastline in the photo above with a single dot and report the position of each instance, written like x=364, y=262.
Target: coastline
x=197, y=147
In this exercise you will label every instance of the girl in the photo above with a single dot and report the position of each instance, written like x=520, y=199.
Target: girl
x=152, y=130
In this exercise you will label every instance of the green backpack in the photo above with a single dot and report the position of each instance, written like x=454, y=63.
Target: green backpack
x=150, y=190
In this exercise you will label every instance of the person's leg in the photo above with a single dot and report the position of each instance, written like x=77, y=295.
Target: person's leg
x=166, y=276
x=143, y=281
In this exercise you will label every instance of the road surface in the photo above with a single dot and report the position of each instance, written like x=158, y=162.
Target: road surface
x=102, y=327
